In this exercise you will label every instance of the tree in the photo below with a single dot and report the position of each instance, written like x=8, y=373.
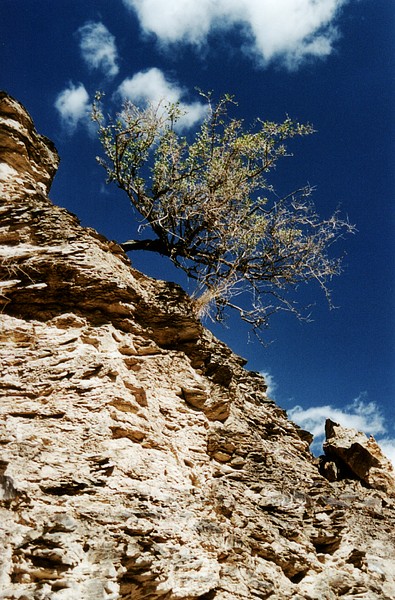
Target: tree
x=212, y=211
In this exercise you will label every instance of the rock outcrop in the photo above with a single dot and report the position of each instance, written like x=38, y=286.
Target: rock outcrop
x=350, y=452
x=138, y=458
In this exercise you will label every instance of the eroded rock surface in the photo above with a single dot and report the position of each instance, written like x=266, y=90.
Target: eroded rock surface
x=138, y=458
x=351, y=451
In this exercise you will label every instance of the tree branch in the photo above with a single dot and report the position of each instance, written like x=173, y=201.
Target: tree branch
x=151, y=245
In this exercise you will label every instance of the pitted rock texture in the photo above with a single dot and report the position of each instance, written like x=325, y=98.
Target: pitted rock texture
x=138, y=458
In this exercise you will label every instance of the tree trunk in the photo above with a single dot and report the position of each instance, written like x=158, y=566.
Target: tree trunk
x=151, y=245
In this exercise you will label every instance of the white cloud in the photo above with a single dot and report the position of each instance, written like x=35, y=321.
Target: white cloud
x=151, y=86
x=284, y=30
x=73, y=106
x=98, y=48
x=360, y=414
x=271, y=384
x=179, y=20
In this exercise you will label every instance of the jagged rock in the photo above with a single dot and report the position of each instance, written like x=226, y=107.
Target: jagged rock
x=352, y=451
x=27, y=158
x=138, y=458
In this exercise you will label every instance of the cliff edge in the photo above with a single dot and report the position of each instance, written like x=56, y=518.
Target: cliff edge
x=138, y=458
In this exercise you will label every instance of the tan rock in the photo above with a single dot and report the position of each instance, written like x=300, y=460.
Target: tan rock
x=139, y=460
x=361, y=455
x=26, y=156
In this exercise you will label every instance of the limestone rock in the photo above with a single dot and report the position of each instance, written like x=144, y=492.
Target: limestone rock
x=138, y=458
x=354, y=451
x=26, y=156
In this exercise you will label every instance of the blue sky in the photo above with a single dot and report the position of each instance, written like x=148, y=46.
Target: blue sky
x=327, y=62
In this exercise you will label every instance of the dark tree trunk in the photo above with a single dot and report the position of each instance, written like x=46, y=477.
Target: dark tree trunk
x=151, y=245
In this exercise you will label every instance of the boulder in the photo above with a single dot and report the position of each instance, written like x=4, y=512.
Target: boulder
x=353, y=452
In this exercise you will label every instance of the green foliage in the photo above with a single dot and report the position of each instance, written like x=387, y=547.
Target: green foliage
x=213, y=211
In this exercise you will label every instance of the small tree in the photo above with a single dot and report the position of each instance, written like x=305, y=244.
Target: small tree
x=212, y=210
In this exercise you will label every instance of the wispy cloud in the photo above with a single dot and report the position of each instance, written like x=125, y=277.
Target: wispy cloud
x=73, y=106
x=98, y=48
x=361, y=414
x=152, y=86
x=286, y=31
x=270, y=382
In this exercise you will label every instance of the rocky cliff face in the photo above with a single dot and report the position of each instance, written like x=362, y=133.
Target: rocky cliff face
x=138, y=458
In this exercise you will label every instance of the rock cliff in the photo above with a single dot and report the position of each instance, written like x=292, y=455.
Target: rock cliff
x=138, y=458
